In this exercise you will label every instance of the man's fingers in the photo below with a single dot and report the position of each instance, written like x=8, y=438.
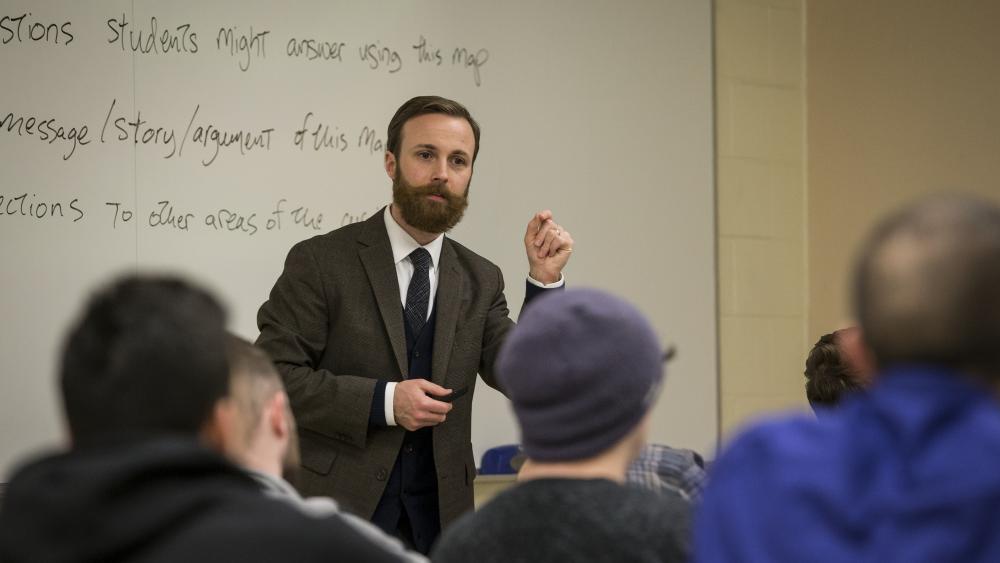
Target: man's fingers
x=532, y=230
x=553, y=240
x=437, y=407
x=416, y=406
x=543, y=232
x=432, y=419
x=432, y=388
x=536, y=225
x=543, y=248
x=549, y=229
x=562, y=241
x=422, y=419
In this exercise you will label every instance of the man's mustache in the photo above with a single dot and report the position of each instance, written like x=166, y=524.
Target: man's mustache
x=436, y=188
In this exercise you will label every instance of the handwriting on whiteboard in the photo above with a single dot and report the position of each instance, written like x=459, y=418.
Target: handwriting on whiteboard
x=167, y=214
x=154, y=36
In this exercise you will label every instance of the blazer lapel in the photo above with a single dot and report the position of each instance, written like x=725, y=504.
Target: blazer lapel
x=447, y=304
x=376, y=256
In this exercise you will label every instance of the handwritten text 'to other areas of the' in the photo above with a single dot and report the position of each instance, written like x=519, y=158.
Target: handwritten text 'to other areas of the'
x=166, y=214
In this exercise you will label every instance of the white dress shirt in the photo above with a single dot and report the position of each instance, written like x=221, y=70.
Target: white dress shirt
x=402, y=245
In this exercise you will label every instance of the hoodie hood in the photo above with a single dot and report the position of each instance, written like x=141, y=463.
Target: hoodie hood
x=111, y=502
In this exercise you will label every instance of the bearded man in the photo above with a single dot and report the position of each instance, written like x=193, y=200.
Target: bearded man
x=379, y=329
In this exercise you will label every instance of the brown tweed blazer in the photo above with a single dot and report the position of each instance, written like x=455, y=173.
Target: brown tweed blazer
x=334, y=325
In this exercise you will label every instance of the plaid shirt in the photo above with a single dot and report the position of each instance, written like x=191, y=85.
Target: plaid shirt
x=662, y=468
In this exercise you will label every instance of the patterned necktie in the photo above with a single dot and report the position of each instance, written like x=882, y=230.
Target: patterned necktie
x=419, y=293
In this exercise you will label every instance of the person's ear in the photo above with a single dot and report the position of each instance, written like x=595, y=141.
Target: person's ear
x=857, y=354
x=220, y=430
x=390, y=165
x=277, y=420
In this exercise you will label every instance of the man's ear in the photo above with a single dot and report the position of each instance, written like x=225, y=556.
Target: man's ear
x=220, y=430
x=275, y=412
x=390, y=165
x=857, y=354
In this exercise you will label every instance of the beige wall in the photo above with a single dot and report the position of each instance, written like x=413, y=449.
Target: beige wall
x=760, y=96
x=903, y=99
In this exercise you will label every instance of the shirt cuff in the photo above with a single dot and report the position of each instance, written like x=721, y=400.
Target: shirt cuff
x=390, y=391
x=558, y=283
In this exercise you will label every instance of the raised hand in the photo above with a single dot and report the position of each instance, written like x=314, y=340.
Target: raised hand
x=548, y=246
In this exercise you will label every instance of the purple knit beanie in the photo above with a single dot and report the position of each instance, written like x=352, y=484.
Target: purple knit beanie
x=581, y=368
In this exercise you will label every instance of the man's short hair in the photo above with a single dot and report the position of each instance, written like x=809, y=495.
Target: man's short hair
x=828, y=376
x=146, y=357
x=254, y=380
x=927, y=286
x=423, y=105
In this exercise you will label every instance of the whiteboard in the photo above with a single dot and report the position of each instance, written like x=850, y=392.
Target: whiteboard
x=207, y=137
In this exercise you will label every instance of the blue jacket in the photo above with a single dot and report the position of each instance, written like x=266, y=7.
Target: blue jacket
x=909, y=471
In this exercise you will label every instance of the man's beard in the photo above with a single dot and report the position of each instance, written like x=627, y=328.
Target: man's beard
x=423, y=213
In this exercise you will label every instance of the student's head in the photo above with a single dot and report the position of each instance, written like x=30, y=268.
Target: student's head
x=263, y=435
x=832, y=368
x=147, y=356
x=927, y=286
x=582, y=369
x=430, y=150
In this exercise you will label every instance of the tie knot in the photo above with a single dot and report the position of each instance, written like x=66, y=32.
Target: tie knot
x=421, y=259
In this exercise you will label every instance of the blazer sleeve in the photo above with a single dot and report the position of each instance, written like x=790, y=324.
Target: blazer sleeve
x=294, y=331
x=498, y=322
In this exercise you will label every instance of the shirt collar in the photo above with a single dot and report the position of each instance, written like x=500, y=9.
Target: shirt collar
x=273, y=483
x=403, y=244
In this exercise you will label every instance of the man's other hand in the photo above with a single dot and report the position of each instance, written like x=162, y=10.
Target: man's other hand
x=414, y=409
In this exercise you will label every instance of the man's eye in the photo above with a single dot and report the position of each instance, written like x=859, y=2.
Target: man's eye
x=425, y=155
x=458, y=161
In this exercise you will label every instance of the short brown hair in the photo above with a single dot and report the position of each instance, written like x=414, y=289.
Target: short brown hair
x=828, y=376
x=253, y=380
x=423, y=105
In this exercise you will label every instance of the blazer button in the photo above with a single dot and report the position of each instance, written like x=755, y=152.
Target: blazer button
x=408, y=448
x=380, y=475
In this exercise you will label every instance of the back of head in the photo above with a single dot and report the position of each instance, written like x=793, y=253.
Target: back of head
x=147, y=356
x=581, y=368
x=828, y=374
x=253, y=381
x=927, y=286
x=263, y=437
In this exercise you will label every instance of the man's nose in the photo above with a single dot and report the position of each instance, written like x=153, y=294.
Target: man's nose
x=440, y=172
